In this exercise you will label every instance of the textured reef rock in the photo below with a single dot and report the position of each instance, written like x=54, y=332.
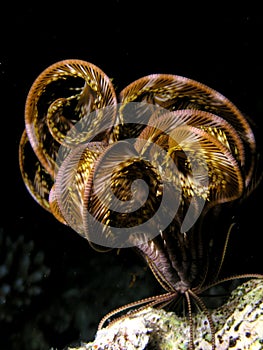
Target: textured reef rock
x=238, y=324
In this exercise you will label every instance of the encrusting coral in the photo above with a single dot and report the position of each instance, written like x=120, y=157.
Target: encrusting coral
x=238, y=323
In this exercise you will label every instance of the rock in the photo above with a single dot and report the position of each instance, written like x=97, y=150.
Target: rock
x=238, y=324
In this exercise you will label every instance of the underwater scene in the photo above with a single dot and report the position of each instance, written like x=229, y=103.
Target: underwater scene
x=132, y=180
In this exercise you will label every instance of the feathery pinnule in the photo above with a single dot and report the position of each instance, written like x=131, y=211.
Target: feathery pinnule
x=101, y=162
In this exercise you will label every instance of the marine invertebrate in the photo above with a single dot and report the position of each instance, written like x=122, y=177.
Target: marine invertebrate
x=142, y=169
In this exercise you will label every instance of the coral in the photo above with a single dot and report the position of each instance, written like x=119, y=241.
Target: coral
x=22, y=270
x=238, y=324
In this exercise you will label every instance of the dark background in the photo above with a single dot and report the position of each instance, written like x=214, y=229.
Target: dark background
x=127, y=41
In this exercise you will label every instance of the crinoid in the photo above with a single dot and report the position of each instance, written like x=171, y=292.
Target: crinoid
x=143, y=170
